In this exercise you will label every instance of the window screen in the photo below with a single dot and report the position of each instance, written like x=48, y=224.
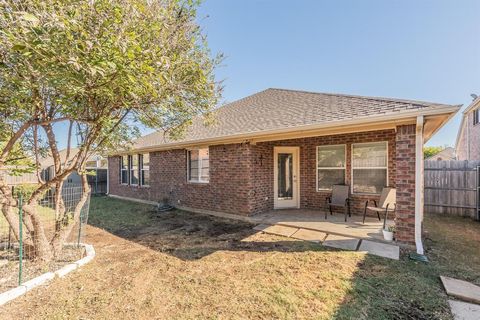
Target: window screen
x=330, y=166
x=369, y=167
x=198, y=165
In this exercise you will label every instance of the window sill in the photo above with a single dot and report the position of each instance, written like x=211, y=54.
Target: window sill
x=134, y=185
x=365, y=194
x=198, y=182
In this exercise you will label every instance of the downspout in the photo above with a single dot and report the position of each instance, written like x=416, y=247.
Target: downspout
x=419, y=184
x=108, y=177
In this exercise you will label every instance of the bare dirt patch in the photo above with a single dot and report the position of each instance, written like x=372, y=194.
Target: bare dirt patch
x=189, y=266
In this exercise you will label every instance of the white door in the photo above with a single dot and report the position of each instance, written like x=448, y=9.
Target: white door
x=286, y=182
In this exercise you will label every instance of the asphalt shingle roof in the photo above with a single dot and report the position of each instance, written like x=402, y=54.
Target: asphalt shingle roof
x=274, y=109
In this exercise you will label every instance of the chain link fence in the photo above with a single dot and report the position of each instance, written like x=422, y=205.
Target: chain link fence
x=44, y=237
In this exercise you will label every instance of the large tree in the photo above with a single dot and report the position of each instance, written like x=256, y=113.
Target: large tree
x=100, y=68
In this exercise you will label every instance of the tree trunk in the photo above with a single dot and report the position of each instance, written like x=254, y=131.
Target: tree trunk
x=64, y=232
x=59, y=206
x=8, y=207
x=42, y=251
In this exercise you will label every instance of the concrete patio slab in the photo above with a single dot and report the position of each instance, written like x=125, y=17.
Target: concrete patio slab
x=341, y=242
x=463, y=290
x=309, y=235
x=315, y=220
x=380, y=249
x=464, y=311
x=280, y=230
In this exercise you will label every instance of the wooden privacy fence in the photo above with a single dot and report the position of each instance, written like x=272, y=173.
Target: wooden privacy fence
x=22, y=179
x=452, y=187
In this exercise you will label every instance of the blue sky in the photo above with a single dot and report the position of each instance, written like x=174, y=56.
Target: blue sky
x=424, y=50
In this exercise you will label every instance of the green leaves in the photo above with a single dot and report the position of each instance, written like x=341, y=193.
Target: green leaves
x=93, y=62
x=18, y=47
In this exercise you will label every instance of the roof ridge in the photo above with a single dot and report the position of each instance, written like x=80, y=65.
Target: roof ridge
x=377, y=98
x=241, y=99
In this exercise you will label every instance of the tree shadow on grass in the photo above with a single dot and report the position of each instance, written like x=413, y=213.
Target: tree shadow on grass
x=190, y=236
x=378, y=289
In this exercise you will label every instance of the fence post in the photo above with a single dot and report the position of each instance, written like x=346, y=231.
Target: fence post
x=20, y=238
x=9, y=245
x=80, y=216
x=79, y=227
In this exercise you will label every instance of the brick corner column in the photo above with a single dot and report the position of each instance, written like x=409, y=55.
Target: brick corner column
x=405, y=184
x=113, y=173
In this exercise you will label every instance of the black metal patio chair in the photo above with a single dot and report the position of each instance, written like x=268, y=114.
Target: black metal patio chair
x=339, y=198
x=387, y=203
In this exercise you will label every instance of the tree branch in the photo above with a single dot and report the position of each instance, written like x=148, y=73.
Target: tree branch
x=113, y=128
x=17, y=135
x=37, y=158
x=69, y=141
x=53, y=147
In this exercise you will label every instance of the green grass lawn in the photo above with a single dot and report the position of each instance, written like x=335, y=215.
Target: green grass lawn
x=378, y=288
x=181, y=265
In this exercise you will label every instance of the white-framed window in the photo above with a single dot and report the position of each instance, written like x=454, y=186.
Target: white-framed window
x=133, y=169
x=331, y=165
x=198, y=165
x=124, y=169
x=369, y=167
x=145, y=169
x=476, y=116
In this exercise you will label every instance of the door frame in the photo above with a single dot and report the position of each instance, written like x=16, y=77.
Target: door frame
x=277, y=204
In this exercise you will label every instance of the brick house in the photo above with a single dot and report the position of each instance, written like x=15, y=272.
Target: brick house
x=467, y=146
x=285, y=149
x=446, y=154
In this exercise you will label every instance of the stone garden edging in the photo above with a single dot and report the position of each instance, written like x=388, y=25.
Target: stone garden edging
x=42, y=279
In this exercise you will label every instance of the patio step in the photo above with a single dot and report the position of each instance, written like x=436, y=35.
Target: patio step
x=286, y=224
x=341, y=242
x=464, y=311
x=332, y=240
x=380, y=249
x=276, y=229
x=462, y=290
x=310, y=235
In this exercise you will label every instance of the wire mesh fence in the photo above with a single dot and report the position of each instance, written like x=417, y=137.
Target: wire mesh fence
x=42, y=236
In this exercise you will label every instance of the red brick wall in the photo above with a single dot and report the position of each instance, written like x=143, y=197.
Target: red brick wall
x=241, y=176
x=227, y=191
x=405, y=182
x=309, y=197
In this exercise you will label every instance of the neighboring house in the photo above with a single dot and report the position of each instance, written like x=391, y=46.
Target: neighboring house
x=446, y=154
x=95, y=164
x=467, y=146
x=285, y=149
